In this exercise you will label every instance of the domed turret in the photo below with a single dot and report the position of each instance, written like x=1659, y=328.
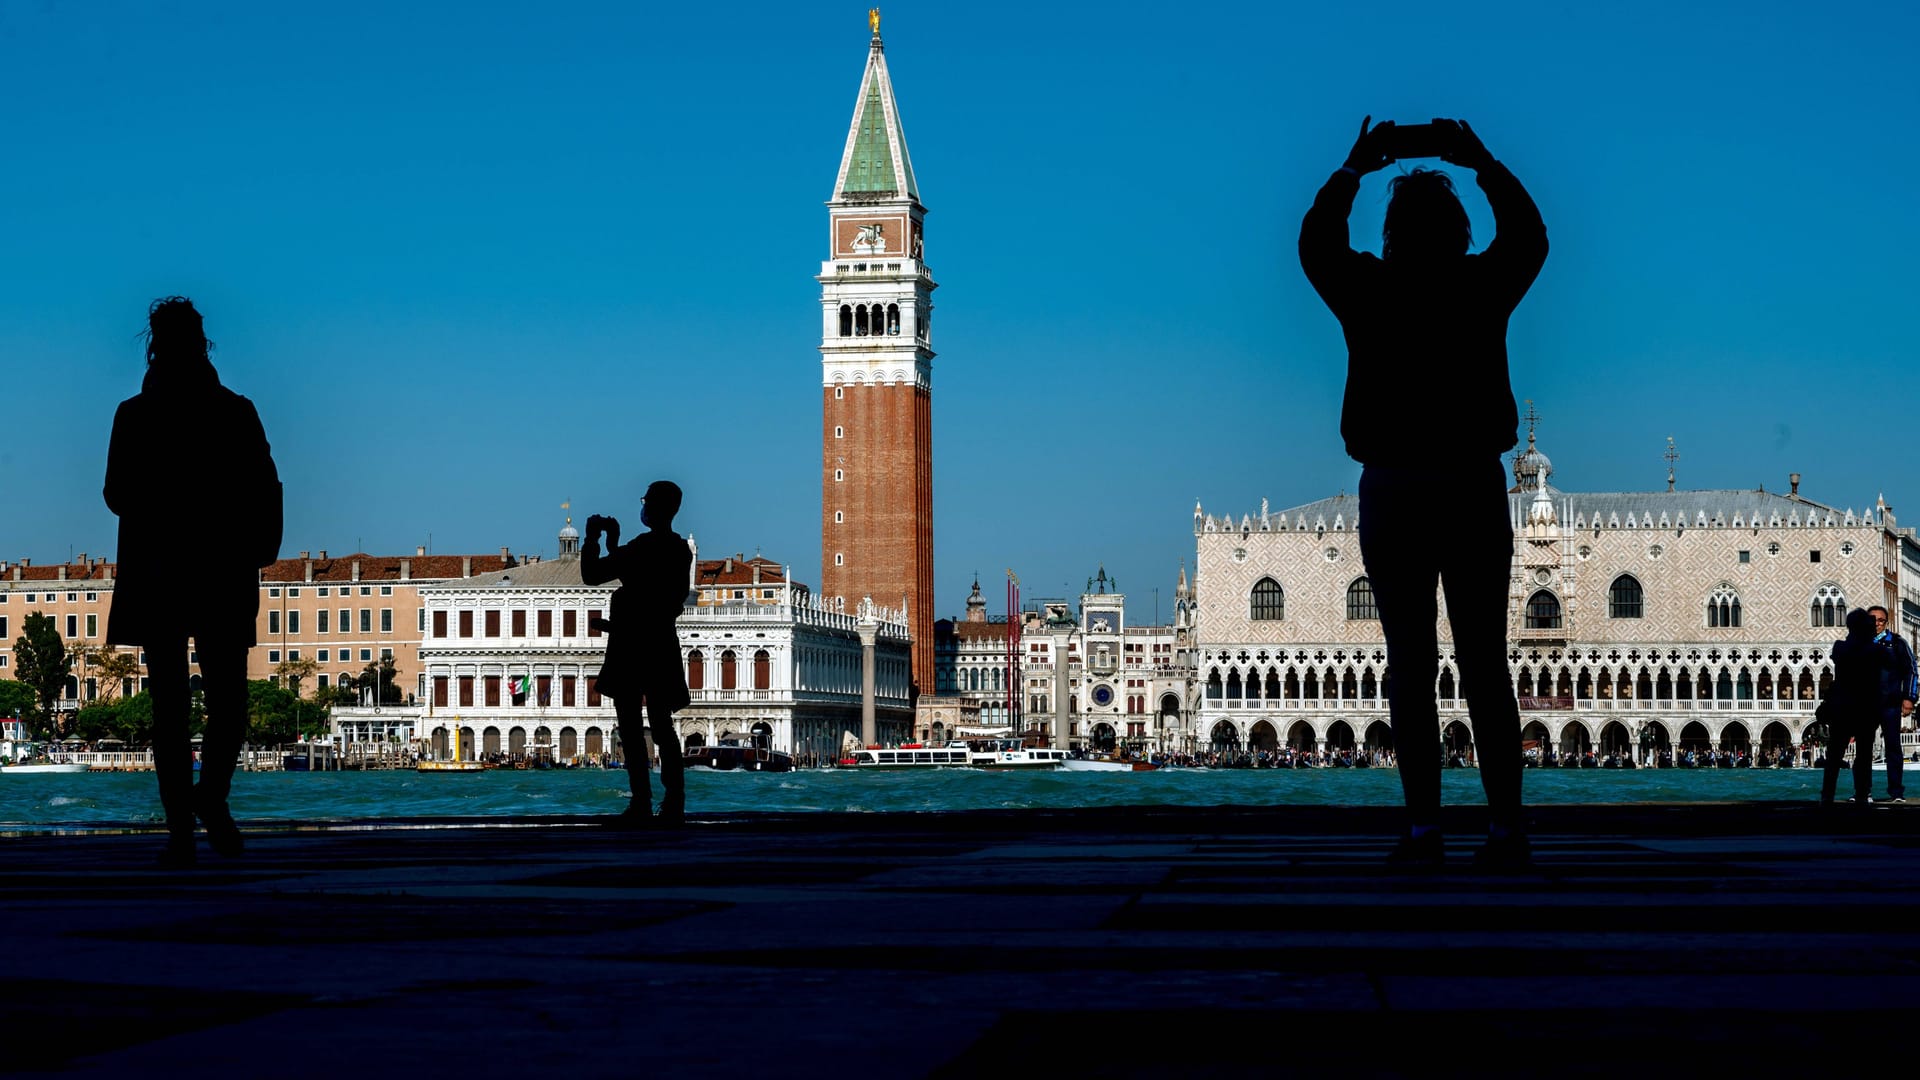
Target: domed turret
x=1531, y=467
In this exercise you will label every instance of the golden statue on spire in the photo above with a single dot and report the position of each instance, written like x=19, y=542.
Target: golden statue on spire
x=873, y=20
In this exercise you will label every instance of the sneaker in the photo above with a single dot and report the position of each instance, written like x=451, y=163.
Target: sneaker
x=1425, y=852
x=1510, y=852
x=1898, y=799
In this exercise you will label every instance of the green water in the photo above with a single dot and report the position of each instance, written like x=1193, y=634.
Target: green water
x=130, y=797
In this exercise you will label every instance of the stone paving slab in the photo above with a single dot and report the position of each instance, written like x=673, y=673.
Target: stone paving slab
x=1741, y=939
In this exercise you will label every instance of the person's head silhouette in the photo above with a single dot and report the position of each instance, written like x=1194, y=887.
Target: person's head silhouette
x=177, y=346
x=1860, y=624
x=660, y=504
x=1425, y=220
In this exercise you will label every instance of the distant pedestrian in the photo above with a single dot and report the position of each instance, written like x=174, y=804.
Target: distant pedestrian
x=185, y=450
x=643, y=647
x=1851, y=708
x=1429, y=411
x=1900, y=686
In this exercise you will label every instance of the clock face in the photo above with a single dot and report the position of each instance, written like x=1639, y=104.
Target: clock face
x=1103, y=694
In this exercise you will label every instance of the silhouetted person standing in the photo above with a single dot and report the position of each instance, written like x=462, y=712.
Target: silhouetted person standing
x=1900, y=687
x=643, y=648
x=1429, y=411
x=1853, y=706
x=187, y=452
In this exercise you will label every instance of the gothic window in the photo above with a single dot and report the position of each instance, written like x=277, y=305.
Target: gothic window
x=1233, y=686
x=1213, y=686
x=1360, y=603
x=1543, y=611
x=762, y=670
x=1829, y=606
x=846, y=320
x=1723, y=607
x=893, y=318
x=1269, y=603
x=1626, y=600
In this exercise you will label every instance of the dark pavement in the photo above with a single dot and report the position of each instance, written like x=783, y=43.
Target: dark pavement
x=1739, y=940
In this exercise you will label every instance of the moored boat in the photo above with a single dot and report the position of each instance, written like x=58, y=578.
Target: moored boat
x=32, y=767
x=728, y=754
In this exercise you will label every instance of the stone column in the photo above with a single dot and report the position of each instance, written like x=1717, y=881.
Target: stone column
x=1062, y=691
x=869, y=724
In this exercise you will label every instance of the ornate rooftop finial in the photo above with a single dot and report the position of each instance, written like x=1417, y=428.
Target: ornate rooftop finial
x=873, y=20
x=1533, y=420
x=568, y=505
x=1672, y=456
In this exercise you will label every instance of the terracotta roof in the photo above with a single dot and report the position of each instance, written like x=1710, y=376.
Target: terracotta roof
x=338, y=569
x=93, y=570
x=976, y=630
x=714, y=572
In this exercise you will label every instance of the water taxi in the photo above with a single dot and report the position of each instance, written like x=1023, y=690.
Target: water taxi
x=1107, y=763
x=729, y=754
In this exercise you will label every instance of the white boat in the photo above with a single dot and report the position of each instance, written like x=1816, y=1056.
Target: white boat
x=1013, y=754
x=910, y=756
x=1106, y=763
x=45, y=767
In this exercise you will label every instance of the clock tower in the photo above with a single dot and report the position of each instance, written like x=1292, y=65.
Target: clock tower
x=876, y=468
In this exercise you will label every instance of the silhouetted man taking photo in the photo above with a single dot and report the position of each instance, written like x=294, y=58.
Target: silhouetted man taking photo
x=1429, y=411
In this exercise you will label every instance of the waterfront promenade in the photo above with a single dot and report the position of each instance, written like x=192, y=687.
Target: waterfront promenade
x=1726, y=939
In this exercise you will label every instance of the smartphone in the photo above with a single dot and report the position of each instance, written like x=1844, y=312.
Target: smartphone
x=1419, y=140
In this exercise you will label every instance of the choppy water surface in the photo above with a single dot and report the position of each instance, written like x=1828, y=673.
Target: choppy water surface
x=118, y=797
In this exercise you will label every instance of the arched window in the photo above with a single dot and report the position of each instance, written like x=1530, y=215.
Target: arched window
x=860, y=321
x=1723, y=607
x=1269, y=603
x=846, y=320
x=893, y=318
x=1360, y=603
x=696, y=670
x=1626, y=600
x=1214, y=686
x=1829, y=606
x=762, y=670
x=1543, y=611
x=729, y=679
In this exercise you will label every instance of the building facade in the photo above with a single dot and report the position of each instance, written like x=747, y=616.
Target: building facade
x=1636, y=620
x=876, y=308
x=77, y=596
x=511, y=661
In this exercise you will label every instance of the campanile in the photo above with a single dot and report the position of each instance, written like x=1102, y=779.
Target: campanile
x=876, y=307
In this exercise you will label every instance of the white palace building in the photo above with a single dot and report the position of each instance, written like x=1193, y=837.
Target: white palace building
x=1635, y=619
x=509, y=660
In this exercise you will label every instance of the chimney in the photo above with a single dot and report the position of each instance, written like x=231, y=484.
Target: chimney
x=63, y=571
x=406, y=569
x=16, y=570
x=356, y=569
x=307, y=563
x=322, y=556
x=505, y=559
x=1794, y=479
x=756, y=572
x=466, y=566
x=80, y=559
x=420, y=551
x=727, y=566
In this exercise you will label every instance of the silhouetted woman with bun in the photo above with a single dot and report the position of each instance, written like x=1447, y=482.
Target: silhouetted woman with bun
x=192, y=479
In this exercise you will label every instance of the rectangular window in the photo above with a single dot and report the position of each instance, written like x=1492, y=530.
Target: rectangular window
x=293, y=654
x=592, y=630
x=593, y=691
x=440, y=691
x=386, y=590
x=322, y=679
x=569, y=624
x=273, y=621
x=1745, y=555
x=321, y=656
x=466, y=690
x=92, y=596
x=273, y=656
x=320, y=621
x=293, y=592
x=386, y=654
x=346, y=621
x=543, y=689
x=73, y=626
x=386, y=620
x=93, y=626
x=366, y=655
x=366, y=590
x=519, y=624
x=493, y=689
x=1814, y=555
x=324, y=591
x=422, y=612
x=366, y=620
x=439, y=623
x=493, y=624
x=293, y=622
x=543, y=624
x=566, y=691
x=275, y=591
x=3, y=626
x=466, y=624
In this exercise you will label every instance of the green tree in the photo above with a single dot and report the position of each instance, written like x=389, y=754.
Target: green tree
x=114, y=668
x=380, y=677
x=16, y=698
x=270, y=715
x=41, y=658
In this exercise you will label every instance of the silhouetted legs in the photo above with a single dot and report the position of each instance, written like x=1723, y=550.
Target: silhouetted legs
x=673, y=771
x=1837, y=736
x=1421, y=529
x=1890, y=731
x=223, y=682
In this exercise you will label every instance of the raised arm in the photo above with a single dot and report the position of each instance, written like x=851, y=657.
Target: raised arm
x=1331, y=264
x=1519, y=245
x=596, y=569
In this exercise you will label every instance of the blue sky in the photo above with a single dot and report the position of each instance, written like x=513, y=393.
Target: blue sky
x=471, y=260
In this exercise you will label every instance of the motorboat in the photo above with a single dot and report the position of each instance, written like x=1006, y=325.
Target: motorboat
x=909, y=756
x=36, y=767
x=1013, y=754
x=1107, y=763
x=729, y=754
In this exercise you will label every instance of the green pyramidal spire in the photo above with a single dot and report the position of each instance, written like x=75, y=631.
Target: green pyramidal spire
x=875, y=163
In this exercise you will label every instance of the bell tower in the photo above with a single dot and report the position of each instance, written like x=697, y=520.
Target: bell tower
x=876, y=307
